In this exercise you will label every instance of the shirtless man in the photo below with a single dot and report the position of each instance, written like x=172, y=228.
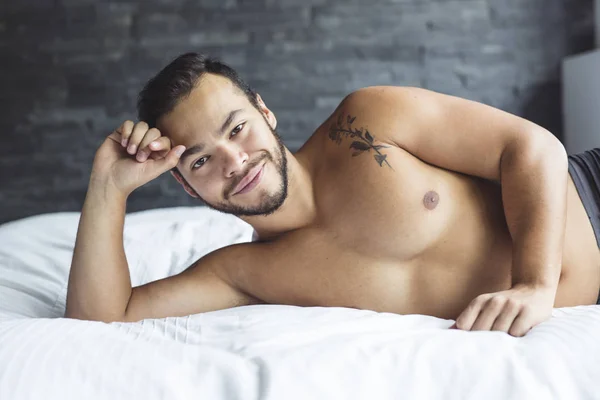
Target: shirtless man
x=404, y=200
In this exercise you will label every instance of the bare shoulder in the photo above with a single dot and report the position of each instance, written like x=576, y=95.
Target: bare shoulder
x=393, y=104
x=264, y=269
x=236, y=262
x=379, y=106
x=365, y=120
x=398, y=115
x=373, y=97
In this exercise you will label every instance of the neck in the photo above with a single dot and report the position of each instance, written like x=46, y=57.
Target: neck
x=298, y=209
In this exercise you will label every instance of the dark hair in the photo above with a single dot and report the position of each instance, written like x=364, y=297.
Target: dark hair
x=175, y=81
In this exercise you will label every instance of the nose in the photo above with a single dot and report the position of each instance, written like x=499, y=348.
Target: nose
x=233, y=159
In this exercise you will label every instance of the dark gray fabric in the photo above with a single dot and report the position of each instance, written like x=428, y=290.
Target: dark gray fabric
x=585, y=171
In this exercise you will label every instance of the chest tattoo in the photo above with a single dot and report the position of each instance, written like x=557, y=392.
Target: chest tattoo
x=363, y=140
x=431, y=200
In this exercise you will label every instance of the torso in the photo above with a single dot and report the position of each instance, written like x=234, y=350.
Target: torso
x=412, y=239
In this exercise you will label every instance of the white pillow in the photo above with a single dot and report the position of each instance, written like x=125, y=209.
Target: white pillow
x=36, y=252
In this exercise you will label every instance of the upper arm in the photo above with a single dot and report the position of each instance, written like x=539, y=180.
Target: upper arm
x=202, y=287
x=447, y=131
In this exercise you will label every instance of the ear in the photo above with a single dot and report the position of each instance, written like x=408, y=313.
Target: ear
x=183, y=183
x=271, y=119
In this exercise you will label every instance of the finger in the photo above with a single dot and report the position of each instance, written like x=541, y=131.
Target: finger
x=169, y=162
x=162, y=143
x=143, y=150
x=521, y=325
x=152, y=135
x=115, y=136
x=488, y=314
x=466, y=319
x=159, y=147
x=139, y=130
x=506, y=317
x=125, y=132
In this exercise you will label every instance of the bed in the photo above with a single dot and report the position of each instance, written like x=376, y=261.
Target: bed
x=259, y=351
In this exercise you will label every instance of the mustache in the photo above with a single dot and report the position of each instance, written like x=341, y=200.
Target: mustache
x=235, y=182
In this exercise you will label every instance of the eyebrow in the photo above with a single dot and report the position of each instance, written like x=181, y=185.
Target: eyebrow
x=197, y=148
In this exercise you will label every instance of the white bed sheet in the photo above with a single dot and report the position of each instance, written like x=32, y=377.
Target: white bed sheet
x=261, y=351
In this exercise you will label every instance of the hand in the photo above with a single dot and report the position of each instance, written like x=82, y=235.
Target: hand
x=133, y=155
x=514, y=311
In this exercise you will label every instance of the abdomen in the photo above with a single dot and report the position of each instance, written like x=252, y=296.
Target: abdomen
x=580, y=280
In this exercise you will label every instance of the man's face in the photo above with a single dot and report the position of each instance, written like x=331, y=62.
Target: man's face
x=227, y=141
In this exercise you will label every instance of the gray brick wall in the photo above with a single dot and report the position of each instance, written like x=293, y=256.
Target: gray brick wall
x=71, y=69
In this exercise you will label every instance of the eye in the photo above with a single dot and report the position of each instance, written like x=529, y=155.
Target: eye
x=237, y=129
x=201, y=161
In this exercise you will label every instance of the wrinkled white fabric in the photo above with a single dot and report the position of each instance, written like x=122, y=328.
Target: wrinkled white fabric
x=256, y=352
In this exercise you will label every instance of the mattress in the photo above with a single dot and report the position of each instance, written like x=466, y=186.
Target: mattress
x=258, y=351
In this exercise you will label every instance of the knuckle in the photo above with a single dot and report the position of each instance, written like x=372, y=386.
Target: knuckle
x=172, y=160
x=153, y=132
x=125, y=128
x=497, y=301
x=481, y=298
x=512, y=304
x=143, y=124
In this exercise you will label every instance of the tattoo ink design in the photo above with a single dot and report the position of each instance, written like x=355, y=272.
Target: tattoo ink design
x=363, y=139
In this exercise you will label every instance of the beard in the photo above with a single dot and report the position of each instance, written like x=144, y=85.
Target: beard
x=269, y=202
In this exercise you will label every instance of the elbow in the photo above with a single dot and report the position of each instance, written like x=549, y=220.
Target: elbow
x=555, y=149
x=538, y=151
x=540, y=146
x=549, y=146
x=556, y=156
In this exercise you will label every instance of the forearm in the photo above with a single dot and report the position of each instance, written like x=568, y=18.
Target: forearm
x=99, y=285
x=534, y=176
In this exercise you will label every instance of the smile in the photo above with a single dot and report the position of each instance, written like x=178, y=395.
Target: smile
x=252, y=183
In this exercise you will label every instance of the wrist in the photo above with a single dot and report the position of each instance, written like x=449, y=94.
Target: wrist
x=536, y=283
x=105, y=189
x=530, y=285
x=537, y=276
x=536, y=286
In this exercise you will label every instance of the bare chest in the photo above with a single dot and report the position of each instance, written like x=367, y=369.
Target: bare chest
x=400, y=238
x=405, y=208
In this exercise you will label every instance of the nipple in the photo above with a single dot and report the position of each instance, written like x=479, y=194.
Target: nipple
x=431, y=200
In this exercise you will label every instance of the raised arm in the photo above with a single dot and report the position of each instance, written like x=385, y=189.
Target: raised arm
x=99, y=286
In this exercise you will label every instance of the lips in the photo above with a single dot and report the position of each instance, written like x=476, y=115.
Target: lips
x=253, y=173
